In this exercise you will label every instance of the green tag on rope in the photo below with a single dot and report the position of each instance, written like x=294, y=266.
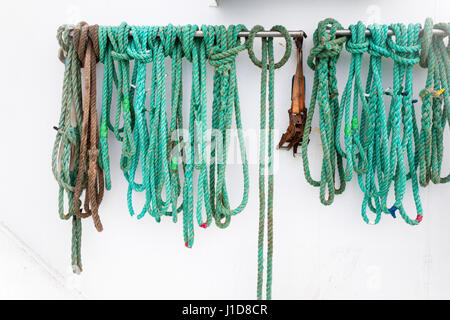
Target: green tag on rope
x=103, y=131
x=174, y=163
x=126, y=104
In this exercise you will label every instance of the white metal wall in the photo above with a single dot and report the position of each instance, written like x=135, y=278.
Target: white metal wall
x=320, y=252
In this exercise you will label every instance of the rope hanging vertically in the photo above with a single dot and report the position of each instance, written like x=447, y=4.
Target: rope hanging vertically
x=90, y=175
x=374, y=182
x=322, y=59
x=66, y=149
x=434, y=56
x=268, y=67
x=225, y=101
x=404, y=52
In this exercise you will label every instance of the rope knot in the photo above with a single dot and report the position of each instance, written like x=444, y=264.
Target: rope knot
x=223, y=59
x=405, y=49
x=85, y=37
x=137, y=49
x=326, y=45
x=357, y=44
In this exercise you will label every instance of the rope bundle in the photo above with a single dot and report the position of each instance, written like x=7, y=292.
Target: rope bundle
x=383, y=150
x=153, y=145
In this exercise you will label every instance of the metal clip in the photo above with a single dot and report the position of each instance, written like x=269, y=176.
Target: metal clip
x=293, y=137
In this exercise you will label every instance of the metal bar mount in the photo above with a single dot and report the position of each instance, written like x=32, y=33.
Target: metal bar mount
x=300, y=33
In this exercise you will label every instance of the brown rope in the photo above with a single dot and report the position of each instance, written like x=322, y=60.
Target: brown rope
x=85, y=40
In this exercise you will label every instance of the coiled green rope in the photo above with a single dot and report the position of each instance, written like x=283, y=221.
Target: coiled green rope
x=434, y=56
x=66, y=149
x=322, y=59
x=267, y=84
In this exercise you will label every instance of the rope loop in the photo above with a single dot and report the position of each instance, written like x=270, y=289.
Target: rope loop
x=326, y=45
x=168, y=36
x=357, y=43
x=187, y=40
x=83, y=34
x=63, y=37
x=251, y=39
x=404, y=53
x=137, y=49
x=377, y=41
x=120, y=52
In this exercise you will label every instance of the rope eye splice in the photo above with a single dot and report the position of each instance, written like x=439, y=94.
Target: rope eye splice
x=268, y=67
x=293, y=136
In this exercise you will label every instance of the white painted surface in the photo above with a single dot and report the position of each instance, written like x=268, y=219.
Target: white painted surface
x=320, y=252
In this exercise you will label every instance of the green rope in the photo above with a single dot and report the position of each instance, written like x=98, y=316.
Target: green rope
x=138, y=50
x=195, y=50
x=65, y=155
x=435, y=103
x=266, y=63
x=404, y=52
x=119, y=38
x=375, y=139
x=173, y=47
x=322, y=59
x=226, y=99
x=109, y=79
x=354, y=153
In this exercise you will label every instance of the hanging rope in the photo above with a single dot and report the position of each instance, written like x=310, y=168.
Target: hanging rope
x=322, y=59
x=196, y=51
x=404, y=51
x=435, y=103
x=90, y=175
x=174, y=49
x=374, y=183
x=119, y=41
x=66, y=149
x=354, y=153
x=226, y=100
x=138, y=49
x=266, y=63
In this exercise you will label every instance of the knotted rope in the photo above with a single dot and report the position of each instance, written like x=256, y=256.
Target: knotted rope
x=195, y=51
x=404, y=52
x=138, y=49
x=266, y=63
x=374, y=183
x=66, y=149
x=90, y=175
x=435, y=103
x=354, y=153
x=322, y=59
x=226, y=100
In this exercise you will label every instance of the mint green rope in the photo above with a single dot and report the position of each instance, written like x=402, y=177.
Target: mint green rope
x=226, y=99
x=376, y=139
x=267, y=84
x=137, y=50
x=65, y=155
x=322, y=59
x=354, y=153
x=195, y=51
x=405, y=54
